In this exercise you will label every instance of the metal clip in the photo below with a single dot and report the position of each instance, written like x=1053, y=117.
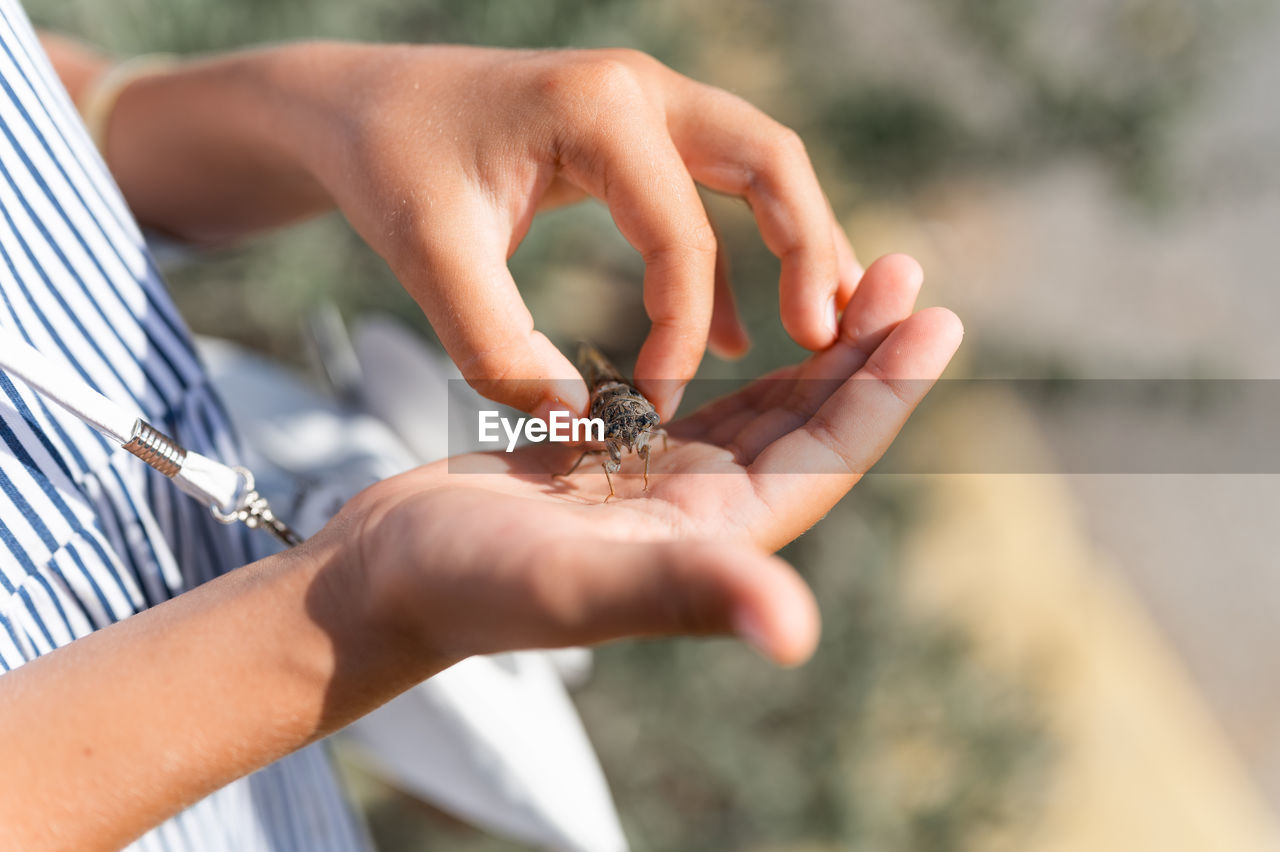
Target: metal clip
x=156, y=448
x=254, y=512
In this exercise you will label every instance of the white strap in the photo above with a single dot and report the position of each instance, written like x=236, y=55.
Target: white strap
x=62, y=385
x=212, y=483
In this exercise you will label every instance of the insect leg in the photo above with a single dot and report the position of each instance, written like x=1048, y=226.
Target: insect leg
x=644, y=454
x=612, y=464
x=585, y=453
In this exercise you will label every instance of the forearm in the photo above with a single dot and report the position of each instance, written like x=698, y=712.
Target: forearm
x=205, y=151
x=198, y=149
x=115, y=732
x=77, y=64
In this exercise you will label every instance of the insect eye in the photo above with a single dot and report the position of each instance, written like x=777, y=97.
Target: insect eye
x=651, y=418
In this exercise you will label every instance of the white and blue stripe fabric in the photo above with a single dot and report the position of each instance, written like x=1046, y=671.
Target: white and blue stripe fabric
x=88, y=534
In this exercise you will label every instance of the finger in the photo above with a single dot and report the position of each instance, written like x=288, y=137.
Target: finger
x=699, y=424
x=457, y=272
x=730, y=146
x=560, y=193
x=885, y=298
x=728, y=338
x=677, y=588
x=629, y=161
x=849, y=272
x=854, y=427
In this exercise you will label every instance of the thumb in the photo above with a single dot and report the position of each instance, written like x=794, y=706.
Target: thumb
x=686, y=588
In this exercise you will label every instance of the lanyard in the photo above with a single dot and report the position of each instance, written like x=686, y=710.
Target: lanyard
x=227, y=491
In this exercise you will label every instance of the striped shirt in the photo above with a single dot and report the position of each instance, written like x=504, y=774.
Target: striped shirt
x=88, y=534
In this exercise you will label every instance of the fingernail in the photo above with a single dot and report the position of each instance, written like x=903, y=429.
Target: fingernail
x=567, y=394
x=673, y=404
x=543, y=411
x=747, y=627
x=833, y=321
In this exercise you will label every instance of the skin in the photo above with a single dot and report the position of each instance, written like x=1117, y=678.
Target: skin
x=440, y=157
x=432, y=566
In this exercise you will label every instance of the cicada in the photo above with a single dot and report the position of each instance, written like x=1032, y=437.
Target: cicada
x=630, y=420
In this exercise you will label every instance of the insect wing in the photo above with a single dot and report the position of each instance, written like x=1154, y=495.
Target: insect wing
x=596, y=369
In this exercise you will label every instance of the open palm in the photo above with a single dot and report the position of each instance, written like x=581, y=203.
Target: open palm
x=505, y=555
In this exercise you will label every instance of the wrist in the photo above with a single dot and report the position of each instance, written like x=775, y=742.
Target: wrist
x=302, y=90
x=322, y=96
x=203, y=150
x=96, y=98
x=375, y=585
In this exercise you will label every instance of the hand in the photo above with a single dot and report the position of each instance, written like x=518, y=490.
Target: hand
x=430, y=567
x=441, y=156
x=512, y=558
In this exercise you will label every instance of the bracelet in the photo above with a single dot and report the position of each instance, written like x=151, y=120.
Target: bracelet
x=98, y=99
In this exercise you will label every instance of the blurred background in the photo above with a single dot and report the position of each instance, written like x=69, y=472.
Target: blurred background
x=1009, y=662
